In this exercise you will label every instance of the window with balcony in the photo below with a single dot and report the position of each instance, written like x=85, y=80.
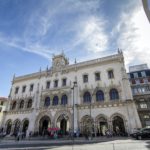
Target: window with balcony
x=16, y=90
x=47, y=84
x=2, y=103
x=55, y=83
x=110, y=74
x=31, y=87
x=23, y=89
x=29, y=104
x=85, y=78
x=97, y=76
x=64, y=82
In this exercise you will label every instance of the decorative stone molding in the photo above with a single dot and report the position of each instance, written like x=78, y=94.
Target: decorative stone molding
x=40, y=115
x=66, y=113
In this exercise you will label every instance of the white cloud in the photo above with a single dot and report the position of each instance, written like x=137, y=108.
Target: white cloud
x=87, y=29
x=91, y=34
x=36, y=48
x=134, y=35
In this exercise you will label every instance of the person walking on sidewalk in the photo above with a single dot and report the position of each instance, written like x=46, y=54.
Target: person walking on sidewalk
x=18, y=136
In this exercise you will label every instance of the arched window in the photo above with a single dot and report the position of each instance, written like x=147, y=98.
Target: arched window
x=14, y=105
x=47, y=101
x=87, y=97
x=21, y=104
x=29, y=105
x=113, y=94
x=55, y=100
x=64, y=100
x=99, y=95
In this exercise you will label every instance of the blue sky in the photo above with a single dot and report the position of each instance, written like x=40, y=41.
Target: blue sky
x=32, y=31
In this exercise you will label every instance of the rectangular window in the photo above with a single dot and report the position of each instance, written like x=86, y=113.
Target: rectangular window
x=131, y=75
x=47, y=84
x=64, y=82
x=141, y=81
x=23, y=89
x=135, y=75
x=147, y=73
x=143, y=105
x=133, y=81
x=143, y=74
x=97, y=76
x=110, y=74
x=31, y=87
x=85, y=78
x=56, y=83
x=16, y=90
x=139, y=74
x=2, y=103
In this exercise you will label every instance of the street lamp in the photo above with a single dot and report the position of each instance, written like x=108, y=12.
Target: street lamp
x=91, y=122
x=74, y=85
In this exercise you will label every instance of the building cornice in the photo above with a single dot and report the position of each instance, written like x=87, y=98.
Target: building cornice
x=73, y=67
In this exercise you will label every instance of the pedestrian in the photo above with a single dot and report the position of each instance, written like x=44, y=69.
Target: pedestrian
x=30, y=134
x=18, y=136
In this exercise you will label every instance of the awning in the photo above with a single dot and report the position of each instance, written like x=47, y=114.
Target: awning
x=53, y=129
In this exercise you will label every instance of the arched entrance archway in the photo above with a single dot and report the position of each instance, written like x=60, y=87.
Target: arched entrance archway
x=17, y=124
x=118, y=125
x=8, y=126
x=102, y=126
x=25, y=126
x=44, y=124
x=63, y=123
x=87, y=125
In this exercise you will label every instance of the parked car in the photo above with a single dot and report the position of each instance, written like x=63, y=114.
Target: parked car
x=141, y=134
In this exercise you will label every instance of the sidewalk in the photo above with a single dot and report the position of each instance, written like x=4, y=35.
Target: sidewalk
x=80, y=140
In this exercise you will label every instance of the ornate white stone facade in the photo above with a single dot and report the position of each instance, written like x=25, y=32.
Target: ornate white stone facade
x=100, y=100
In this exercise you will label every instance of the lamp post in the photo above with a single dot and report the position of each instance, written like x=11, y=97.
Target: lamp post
x=74, y=85
x=91, y=127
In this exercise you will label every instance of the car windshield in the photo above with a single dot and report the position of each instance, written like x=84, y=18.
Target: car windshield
x=143, y=129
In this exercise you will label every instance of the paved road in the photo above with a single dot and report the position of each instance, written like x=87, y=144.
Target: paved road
x=82, y=145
